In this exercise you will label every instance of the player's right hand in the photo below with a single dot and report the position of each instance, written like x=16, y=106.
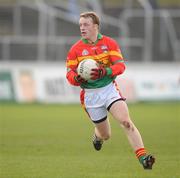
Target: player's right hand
x=79, y=79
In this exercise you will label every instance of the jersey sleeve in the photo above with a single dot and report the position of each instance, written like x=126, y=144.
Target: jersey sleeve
x=116, y=58
x=71, y=66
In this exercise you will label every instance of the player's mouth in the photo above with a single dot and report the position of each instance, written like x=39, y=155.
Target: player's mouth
x=83, y=33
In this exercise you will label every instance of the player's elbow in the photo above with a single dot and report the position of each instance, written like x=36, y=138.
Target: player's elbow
x=122, y=68
x=71, y=80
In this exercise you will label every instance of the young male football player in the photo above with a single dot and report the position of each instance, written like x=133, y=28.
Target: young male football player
x=101, y=94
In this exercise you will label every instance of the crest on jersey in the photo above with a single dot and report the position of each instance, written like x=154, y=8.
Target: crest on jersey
x=85, y=52
x=104, y=47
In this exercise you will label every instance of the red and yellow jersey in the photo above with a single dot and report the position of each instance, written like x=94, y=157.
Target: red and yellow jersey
x=105, y=51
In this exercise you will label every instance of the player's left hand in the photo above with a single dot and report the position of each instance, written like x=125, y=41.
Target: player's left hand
x=98, y=73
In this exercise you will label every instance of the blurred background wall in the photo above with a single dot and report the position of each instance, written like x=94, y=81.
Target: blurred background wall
x=35, y=36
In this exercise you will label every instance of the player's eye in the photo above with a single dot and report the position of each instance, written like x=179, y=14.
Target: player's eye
x=86, y=24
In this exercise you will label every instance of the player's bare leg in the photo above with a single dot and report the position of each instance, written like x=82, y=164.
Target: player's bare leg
x=119, y=111
x=102, y=132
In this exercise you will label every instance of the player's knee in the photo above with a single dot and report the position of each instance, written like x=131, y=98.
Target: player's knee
x=106, y=136
x=127, y=125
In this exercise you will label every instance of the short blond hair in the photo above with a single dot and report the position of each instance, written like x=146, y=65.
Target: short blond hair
x=91, y=15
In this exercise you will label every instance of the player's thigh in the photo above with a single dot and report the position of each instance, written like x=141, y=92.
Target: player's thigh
x=103, y=128
x=119, y=111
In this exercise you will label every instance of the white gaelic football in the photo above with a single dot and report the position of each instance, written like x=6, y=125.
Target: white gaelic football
x=85, y=66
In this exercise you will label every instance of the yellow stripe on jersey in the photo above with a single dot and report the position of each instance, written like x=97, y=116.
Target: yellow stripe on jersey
x=99, y=57
x=95, y=57
x=102, y=55
x=72, y=62
x=115, y=53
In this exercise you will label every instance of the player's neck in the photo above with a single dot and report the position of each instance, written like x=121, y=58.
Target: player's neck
x=93, y=38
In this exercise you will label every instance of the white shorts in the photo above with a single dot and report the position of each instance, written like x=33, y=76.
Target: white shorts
x=98, y=101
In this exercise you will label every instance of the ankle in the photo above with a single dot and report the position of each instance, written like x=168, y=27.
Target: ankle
x=140, y=154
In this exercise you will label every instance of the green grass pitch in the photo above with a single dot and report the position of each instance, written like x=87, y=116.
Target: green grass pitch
x=54, y=141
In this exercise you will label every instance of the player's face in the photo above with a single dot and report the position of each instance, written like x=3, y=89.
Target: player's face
x=87, y=28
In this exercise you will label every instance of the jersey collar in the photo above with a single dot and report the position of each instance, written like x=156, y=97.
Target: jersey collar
x=99, y=36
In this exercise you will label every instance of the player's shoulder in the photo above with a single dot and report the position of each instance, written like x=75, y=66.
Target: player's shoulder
x=109, y=39
x=76, y=45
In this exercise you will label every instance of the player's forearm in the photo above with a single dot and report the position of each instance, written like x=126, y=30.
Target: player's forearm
x=116, y=69
x=71, y=78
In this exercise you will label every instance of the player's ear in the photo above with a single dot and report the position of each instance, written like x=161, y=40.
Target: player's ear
x=96, y=26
